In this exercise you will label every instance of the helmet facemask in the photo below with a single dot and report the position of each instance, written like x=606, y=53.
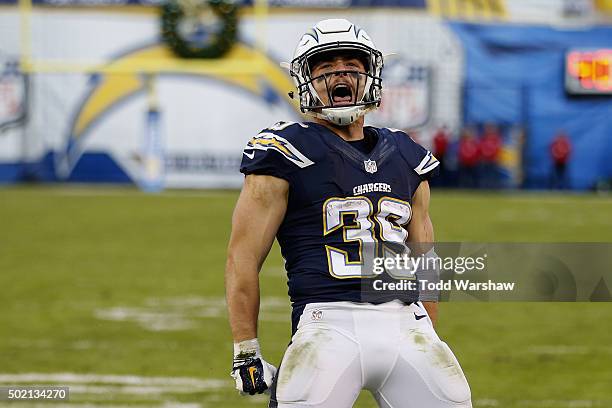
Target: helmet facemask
x=343, y=96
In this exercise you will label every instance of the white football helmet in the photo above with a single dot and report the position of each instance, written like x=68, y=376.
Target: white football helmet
x=330, y=36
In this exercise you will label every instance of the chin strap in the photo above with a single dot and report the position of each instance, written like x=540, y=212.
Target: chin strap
x=343, y=116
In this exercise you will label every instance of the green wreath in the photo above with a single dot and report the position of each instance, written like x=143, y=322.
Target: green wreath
x=218, y=41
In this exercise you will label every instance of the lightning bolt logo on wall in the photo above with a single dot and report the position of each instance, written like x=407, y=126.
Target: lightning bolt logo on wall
x=108, y=92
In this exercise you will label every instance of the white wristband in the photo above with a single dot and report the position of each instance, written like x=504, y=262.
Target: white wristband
x=247, y=346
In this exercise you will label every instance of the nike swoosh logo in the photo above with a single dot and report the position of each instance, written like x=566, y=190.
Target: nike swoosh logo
x=251, y=372
x=250, y=156
x=419, y=317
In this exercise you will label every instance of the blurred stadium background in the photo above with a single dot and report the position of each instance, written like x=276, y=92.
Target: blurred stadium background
x=119, y=294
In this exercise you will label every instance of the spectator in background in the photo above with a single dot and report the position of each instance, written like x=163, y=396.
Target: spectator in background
x=560, y=151
x=490, y=149
x=469, y=157
x=440, y=150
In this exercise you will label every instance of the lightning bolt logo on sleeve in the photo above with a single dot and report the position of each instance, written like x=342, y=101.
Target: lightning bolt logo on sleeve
x=267, y=141
x=426, y=165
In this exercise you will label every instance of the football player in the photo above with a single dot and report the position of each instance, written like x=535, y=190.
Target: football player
x=332, y=192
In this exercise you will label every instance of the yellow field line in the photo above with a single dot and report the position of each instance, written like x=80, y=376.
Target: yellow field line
x=212, y=67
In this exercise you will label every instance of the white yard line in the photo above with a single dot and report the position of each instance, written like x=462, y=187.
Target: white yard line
x=185, y=313
x=94, y=387
x=73, y=378
x=486, y=402
x=104, y=384
x=148, y=390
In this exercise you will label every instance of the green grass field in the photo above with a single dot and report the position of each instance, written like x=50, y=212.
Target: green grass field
x=120, y=296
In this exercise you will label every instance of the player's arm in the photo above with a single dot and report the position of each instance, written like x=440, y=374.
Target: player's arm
x=258, y=214
x=420, y=230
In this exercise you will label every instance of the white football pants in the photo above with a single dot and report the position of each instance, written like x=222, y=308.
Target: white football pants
x=390, y=349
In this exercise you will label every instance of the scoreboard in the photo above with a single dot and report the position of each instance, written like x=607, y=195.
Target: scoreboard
x=588, y=72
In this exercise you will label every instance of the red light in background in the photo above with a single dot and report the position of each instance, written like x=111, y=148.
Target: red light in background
x=591, y=68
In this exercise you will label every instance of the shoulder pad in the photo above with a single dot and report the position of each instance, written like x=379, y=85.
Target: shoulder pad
x=420, y=160
x=276, y=151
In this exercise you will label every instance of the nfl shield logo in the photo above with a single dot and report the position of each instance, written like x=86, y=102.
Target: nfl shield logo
x=370, y=166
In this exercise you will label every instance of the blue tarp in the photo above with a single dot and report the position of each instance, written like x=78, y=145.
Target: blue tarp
x=93, y=167
x=515, y=75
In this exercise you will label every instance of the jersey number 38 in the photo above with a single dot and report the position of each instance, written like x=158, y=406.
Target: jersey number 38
x=391, y=215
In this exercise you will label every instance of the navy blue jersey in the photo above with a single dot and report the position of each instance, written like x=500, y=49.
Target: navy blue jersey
x=342, y=202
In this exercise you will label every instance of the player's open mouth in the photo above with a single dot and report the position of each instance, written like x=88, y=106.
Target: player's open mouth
x=342, y=95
